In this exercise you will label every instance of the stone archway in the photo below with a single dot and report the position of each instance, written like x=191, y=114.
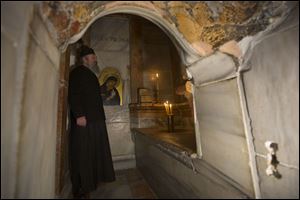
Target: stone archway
x=218, y=67
x=56, y=22
x=187, y=54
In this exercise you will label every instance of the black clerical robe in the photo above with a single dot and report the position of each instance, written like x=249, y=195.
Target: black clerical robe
x=90, y=155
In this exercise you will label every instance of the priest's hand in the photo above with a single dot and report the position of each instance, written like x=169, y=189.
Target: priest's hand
x=81, y=121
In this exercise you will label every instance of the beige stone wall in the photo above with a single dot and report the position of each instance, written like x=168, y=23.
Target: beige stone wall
x=29, y=91
x=204, y=25
x=223, y=140
x=14, y=37
x=30, y=82
x=272, y=91
x=177, y=176
x=37, y=148
x=109, y=38
x=119, y=133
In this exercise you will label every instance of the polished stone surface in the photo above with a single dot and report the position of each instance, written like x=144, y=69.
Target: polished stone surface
x=174, y=174
x=181, y=138
x=129, y=184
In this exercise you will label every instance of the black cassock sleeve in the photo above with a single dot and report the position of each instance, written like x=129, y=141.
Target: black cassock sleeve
x=76, y=92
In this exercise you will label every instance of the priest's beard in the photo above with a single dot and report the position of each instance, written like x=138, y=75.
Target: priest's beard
x=95, y=68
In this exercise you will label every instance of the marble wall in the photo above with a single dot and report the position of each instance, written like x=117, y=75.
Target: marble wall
x=271, y=85
x=29, y=89
x=38, y=144
x=14, y=38
x=272, y=91
x=223, y=140
x=109, y=37
x=157, y=59
x=119, y=133
x=32, y=66
x=151, y=53
x=177, y=176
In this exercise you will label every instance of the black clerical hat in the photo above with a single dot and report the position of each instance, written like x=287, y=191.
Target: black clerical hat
x=85, y=50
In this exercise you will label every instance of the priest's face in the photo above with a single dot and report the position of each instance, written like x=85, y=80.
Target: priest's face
x=90, y=60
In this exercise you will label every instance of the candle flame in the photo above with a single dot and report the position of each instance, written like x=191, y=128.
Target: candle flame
x=156, y=75
x=168, y=108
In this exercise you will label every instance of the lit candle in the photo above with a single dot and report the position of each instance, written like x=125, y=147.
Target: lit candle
x=168, y=111
x=171, y=113
x=153, y=79
x=166, y=107
x=157, y=83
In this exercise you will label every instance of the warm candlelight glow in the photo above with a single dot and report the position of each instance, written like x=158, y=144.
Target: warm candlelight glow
x=168, y=108
x=157, y=84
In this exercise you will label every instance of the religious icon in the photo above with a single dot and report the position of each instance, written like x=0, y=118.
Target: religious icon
x=111, y=86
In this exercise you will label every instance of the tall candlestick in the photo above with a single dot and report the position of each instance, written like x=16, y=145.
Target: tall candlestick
x=169, y=108
x=170, y=123
x=166, y=107
x=157, y=84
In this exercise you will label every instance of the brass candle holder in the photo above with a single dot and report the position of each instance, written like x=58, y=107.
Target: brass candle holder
x=170, y=115
x=155, y=80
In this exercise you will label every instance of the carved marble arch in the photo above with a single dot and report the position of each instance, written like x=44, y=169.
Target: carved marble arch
x=187, y=53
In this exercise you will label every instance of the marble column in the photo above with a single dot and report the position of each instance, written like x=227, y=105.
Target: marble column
x=136, y=58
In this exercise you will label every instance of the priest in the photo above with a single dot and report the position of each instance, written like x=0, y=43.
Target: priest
x=90, y=155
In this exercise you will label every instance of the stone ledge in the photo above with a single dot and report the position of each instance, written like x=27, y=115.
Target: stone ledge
x=188, y=159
